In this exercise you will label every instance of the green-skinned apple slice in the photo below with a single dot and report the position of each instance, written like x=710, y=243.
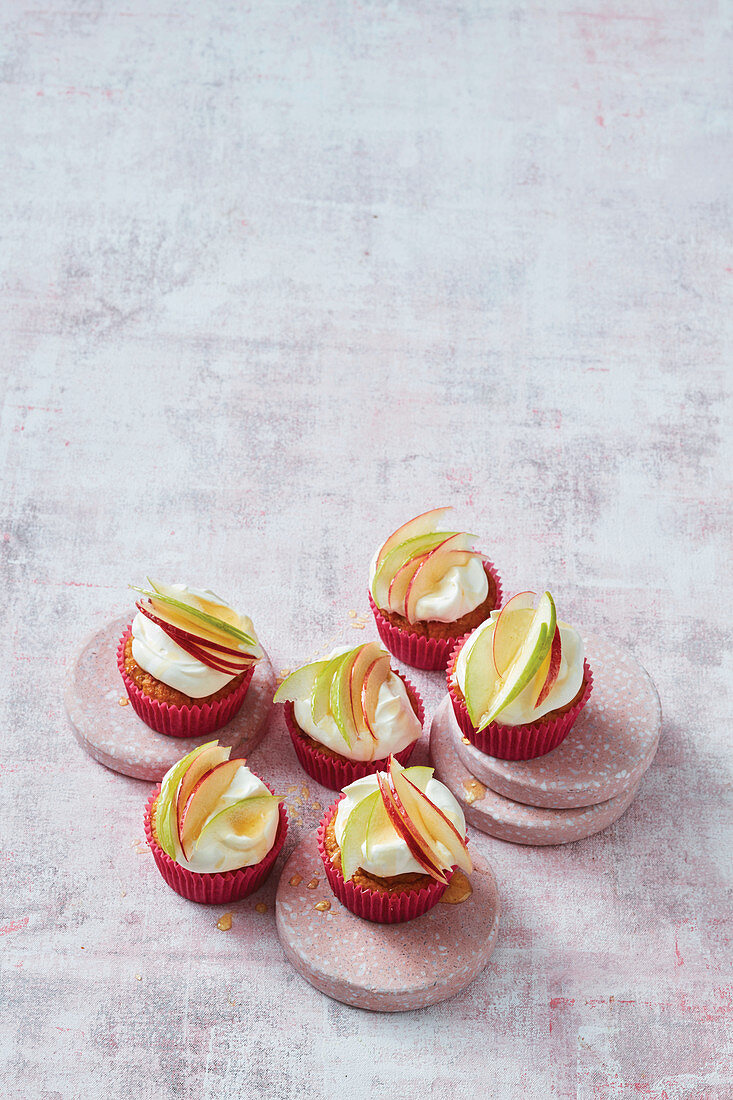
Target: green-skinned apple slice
x=375, y=676
x=184, y=615
x=210, y=607
x=202, y=802
x=340, y=697
x=380, y=829
x=431, y=820
x=420, y=525
x=299, y=684
x=525, y=665
x=549, y=669
x=354, y=835
x=455, y=550
x=321, y=694
x=400, y=582
x=480, y=677
x=213, y=755
x=510, y=629
x=166, y=825
x=418, y=846
x=399, y=556
x=244, y=818
x=368, y=654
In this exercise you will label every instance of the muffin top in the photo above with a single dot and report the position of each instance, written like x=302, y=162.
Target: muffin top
x=401, y=821
x=191, y=639
x=520, y=664
x=213, y=813
x=425, y=574
x=352, y=702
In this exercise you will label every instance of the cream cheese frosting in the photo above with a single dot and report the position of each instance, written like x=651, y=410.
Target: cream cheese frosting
x=157, y=653
x=459, y=591
x=395, y=723
x=392, y=856
x=226, y=850
x=569, y=679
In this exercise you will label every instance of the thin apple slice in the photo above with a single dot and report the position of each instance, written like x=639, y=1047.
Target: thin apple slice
x=419, y=775
x=213, y=607
x=455, y=550
x=354, y=835
x=380, y=830
x=405, y=827
x=182, y=614
x=420, y=525
x=399, y=556
x=214, y=755
x=479, y=684
x=340, y=698
x=431, y=820
x=510, y=629
x=166, y=827
x=553, y=660
x=531, y=654
x=181, y=635
x=321, y=694
x=377, y=674
x=400, y=583
x=246, y=818
x=368, y=654
x=202, y=802
x=299, y=684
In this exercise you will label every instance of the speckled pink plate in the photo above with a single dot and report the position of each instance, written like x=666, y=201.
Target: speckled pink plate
x=383, y=967
x=607, y=751
x=502, y=817
x=114, y=735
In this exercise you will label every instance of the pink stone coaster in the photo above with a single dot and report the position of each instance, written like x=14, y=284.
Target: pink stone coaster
x=115, y=736
x=502, y=817
x=606, y=752
x=383, y=967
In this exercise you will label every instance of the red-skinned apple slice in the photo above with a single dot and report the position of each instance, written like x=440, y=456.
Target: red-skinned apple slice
x=375, y=676
x=202, y=802
x=400, y=556
x=553, y=659
x=201, y=653
x=189, y=618
x=455, y=550
x=527, y=662
x=368, y=654
x=400, y=582
x=423, y=524
x=213, y=755
x=423, y=812
x=404, y=827
x=179, y=634
x=166, y=819
x=510, y=629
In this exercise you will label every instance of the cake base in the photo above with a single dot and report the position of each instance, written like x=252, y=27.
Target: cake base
x=383, y=967
x=607, y=751
x=106, y=726
x=502, y=817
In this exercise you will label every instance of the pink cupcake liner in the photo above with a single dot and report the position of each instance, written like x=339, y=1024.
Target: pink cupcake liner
x=196, y=720
x=338, y=773
x=517, y=742
x=370, y=904
x=218, y=887
x=417, y=650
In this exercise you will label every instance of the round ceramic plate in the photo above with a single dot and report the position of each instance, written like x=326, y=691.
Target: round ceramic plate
x=607, y=751
x=107, y=727
x=384, y=967
x=502, y=817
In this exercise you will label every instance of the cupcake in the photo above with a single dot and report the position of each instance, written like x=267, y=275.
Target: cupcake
x=390, y=844
x=428, y=588
x=348, y=713
x=519, y=681
x=214, y=828
x=186, y=659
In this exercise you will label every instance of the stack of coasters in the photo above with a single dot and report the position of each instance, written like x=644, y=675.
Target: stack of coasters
x=577, y=789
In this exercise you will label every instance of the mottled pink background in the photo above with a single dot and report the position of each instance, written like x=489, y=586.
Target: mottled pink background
x=276, y=276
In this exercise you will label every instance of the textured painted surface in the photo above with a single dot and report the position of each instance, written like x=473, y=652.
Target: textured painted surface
x=607, y=751
x=275, y=277
x=383, y=967
x=107, y=727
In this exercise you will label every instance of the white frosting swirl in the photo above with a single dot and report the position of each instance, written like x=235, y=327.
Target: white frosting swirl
x=392, y=856
x=563, y=691
x=460, y=590
x=395, y=723
x=226, y=850
x=158, y=654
